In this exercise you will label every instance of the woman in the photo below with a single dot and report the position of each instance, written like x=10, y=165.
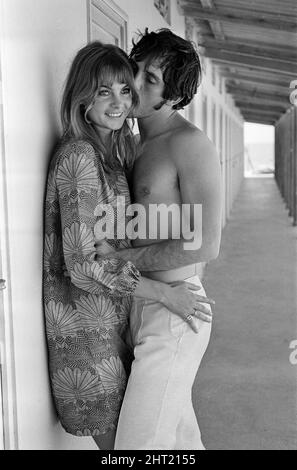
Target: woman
x=87, y=299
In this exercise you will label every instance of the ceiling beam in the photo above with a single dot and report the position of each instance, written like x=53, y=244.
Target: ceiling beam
x=259, y=120
x=261, y=84
x=251, y=108
x=273, y=46
x=255, y=62
x=215, y=26
x=267, y=11
x=246, y=112
x=259, y=50
x=241, y=6
x=254, y=93
x=249, y=71
x=237, y=16
x=260, y=116
x=264, y=114
x=261, y=108
x=260, y=102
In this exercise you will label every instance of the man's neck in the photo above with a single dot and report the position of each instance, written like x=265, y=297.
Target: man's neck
x=157, y=124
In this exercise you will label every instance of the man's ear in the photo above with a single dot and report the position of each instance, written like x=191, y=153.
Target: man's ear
x=172, y=103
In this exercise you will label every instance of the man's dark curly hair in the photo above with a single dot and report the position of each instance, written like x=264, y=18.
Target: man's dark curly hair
x=178, y=60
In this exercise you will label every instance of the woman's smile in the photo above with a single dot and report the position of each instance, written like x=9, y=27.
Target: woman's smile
x=114, y=115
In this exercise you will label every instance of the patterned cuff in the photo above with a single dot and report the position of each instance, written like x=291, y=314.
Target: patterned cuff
x=128, y=279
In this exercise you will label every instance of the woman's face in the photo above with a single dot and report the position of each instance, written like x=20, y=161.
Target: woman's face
x=111, y=107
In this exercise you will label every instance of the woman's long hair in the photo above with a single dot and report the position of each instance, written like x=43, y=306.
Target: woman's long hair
x=93, y=65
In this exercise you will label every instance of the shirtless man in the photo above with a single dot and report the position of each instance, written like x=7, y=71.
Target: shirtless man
x=176, y=164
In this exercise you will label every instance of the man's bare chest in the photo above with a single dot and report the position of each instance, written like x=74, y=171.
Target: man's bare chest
x=155, y=177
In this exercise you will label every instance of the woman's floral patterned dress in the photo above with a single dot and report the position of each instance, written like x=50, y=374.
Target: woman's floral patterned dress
x=87, y=300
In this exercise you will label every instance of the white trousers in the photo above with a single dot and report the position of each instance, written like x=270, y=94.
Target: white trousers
x=157, y=411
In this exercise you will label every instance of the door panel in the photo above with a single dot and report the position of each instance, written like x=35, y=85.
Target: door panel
x=107, y=23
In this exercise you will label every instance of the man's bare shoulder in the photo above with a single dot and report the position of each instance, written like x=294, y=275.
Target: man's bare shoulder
x=190, y=143
x=196, y=161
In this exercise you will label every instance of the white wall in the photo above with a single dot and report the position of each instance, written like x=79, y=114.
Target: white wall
x=40, y=38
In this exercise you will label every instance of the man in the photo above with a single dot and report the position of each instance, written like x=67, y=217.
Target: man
x=177, y=164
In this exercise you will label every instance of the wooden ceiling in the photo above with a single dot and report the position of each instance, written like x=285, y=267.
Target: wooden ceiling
x=254, y=45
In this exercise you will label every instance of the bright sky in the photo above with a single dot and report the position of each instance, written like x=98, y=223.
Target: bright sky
x=258, y=133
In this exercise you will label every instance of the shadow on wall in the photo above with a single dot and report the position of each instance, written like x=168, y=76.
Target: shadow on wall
x=52, y=104
x=52, y=98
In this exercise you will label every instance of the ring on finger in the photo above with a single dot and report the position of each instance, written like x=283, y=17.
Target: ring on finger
x=197, y=312
x=189, y=317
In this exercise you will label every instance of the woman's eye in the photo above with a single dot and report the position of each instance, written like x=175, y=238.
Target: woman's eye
x=103, y=93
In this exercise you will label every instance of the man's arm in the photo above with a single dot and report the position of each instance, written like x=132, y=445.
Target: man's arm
x=198, y=170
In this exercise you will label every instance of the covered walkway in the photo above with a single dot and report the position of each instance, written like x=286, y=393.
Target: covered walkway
x=246, y=390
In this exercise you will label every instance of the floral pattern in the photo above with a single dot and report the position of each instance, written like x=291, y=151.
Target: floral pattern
x=122, y=187
x=61, y=320
x=77, y=238
x=72, y=385
x=51, y=189
x=49, y=246
x=97, y=313
x=86, y=300
x=112, y=374
x=106, y=197
x=77, y=173
x=82, y=275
